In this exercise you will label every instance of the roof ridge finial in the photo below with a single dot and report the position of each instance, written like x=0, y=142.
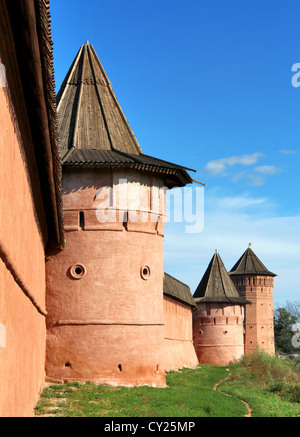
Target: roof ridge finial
x=216, y=250
x=249, y=245
x=87, y=43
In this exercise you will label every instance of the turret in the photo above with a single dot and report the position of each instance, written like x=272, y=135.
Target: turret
x=105, y=290
x=218, y=323
x=254, y=282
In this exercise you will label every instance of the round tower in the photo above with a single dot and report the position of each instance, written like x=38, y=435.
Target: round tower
x=218, y=324
x=105, y=289
x=254, y=282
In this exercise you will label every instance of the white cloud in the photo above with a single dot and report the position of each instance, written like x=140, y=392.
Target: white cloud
x=257, y=176
x=215, y=167
x=267, y=170
x=249, y=178
x=238, y=202
x=218, y=166
x=229, y=229
x=287, y=152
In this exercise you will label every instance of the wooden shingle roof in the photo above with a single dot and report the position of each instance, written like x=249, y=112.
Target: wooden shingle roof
x=216, y=285
x=89, y=114
x=93, y=129
x=178, y=290
x=250, y=264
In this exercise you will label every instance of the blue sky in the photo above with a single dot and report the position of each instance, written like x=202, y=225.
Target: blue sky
x=207, y=84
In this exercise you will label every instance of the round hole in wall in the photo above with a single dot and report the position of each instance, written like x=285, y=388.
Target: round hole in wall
x=145, y=272
x=67, y=364
x=225, y=332
x=200, y=331
x=77, y=271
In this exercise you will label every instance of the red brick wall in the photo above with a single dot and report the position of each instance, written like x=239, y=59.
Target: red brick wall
x=218, y=333
x=22, y=277
x=259, y=324
x=178, y=336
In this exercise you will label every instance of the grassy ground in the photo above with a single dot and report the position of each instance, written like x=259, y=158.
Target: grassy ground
x=271, y=386
x=270, y=392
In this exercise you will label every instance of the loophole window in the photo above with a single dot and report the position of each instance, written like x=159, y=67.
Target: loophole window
x=77, y=271
x=145, y=272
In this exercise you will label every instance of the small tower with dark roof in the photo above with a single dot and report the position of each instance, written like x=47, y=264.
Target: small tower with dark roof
x=105, y=290
x=218, y=323
x=254, y=282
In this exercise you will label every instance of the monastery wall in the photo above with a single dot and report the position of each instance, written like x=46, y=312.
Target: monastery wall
x=179, y=349
x=22, y=273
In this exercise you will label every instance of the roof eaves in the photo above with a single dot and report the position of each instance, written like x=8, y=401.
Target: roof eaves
x=182, y=176
x=230, y=301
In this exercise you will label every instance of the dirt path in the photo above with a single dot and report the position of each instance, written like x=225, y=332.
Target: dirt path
x=244, y=402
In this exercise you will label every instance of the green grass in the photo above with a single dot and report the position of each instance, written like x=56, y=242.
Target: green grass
x=270, y=387
x=189, y=394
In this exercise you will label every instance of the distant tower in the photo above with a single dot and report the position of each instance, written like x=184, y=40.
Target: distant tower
x=105, y=289
x=218, y=323
x=254, y=282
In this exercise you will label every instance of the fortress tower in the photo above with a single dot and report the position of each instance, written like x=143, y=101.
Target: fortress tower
x=218, y=323
x=254, y=282
x=105, y=289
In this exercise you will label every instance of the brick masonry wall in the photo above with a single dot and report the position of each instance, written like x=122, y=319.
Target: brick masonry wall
x=259, y=322
x=218, y=333
x=22, y=277
x=179, y=348
x=105, y=324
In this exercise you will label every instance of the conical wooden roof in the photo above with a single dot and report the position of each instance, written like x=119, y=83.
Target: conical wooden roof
x=216, y=285
x=250, y=264
x=93, y=129
x=89, y=114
